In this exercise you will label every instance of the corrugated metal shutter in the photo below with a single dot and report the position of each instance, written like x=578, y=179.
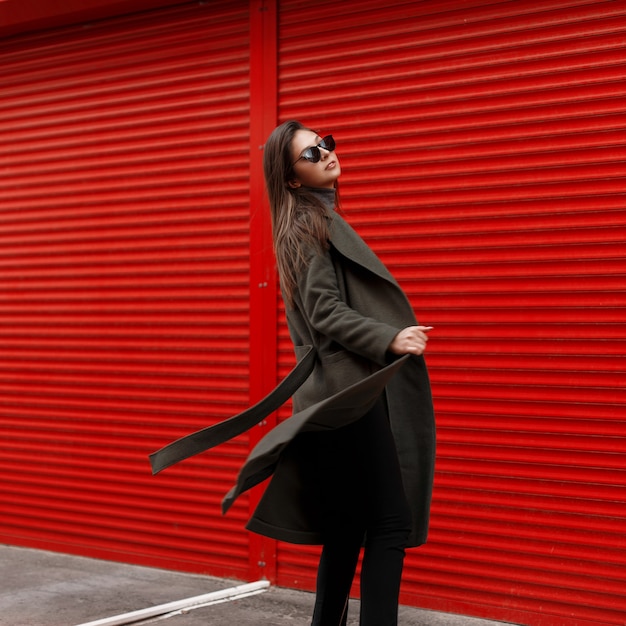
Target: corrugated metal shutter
x=483, y=153
x=124, y=268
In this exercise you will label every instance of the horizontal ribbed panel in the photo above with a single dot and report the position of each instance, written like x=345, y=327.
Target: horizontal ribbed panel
x=124, y=265
x=483, y=160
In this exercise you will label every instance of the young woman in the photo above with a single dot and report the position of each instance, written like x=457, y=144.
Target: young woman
x=367, y=483
x=353, y=466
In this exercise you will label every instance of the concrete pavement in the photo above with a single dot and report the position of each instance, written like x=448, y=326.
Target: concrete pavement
x=40, y=588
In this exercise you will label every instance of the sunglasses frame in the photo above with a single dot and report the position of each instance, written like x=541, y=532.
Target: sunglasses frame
x=313, y=154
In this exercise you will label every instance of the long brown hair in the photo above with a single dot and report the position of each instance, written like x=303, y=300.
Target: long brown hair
x=299, y=218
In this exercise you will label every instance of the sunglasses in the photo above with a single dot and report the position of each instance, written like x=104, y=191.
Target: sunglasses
x=313, y=154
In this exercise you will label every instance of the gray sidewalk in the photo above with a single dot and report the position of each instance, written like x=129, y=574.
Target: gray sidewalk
x=42, y=588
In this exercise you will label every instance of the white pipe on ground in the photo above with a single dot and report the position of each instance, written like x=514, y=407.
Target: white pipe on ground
x=222, y=595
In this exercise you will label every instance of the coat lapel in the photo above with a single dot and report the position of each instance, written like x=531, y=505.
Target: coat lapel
x=349, y=244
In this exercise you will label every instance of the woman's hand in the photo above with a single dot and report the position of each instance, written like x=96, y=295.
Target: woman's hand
x=410, y=340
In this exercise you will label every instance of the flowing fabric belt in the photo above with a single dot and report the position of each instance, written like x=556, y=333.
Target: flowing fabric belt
x=209, y=437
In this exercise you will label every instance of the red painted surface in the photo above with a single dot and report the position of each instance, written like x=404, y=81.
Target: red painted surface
x=480, y=146
x=263, y=310
x=125, y=308
x=21, y=16
x=482, y=152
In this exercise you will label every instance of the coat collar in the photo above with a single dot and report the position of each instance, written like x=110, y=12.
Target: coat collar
x=347, y=242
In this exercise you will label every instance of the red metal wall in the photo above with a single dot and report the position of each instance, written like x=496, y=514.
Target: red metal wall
x=124, y=281
x=483, y=159
x=482, y=149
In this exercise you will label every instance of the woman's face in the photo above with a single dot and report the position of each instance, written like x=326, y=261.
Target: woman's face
x=322, y=174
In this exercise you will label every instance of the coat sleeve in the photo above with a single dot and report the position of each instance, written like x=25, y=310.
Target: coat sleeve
x=322, y=304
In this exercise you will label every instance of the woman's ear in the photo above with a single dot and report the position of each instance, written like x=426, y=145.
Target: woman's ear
x=294, y=183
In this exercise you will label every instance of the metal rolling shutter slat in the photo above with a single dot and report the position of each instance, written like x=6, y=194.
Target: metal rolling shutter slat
x=124, y=279
x=481, y=144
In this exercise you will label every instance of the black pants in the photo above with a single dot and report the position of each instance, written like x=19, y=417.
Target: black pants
x=371, y=512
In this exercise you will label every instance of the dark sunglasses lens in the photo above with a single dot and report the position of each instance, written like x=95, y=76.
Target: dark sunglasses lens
x=328, y=143
x=313, y=154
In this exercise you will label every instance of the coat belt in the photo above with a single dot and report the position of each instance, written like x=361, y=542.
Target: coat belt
x=209, y=437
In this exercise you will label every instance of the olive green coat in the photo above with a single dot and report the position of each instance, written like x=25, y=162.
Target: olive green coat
x=349, y=308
